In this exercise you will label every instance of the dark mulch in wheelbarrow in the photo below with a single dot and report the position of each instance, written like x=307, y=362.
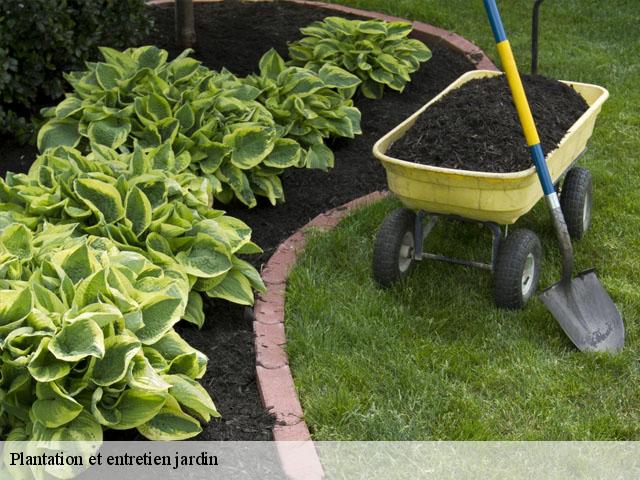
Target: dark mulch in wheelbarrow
x=476, y=127
x=235, y=35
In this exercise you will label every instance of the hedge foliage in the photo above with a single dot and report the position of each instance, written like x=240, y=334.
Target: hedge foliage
x=40, y=39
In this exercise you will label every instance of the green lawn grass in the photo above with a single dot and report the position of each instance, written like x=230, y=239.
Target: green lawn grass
x=432, y=358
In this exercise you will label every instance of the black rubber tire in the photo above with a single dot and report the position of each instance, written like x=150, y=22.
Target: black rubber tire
x=576, y=195
x=507, y=277
x=387, y=250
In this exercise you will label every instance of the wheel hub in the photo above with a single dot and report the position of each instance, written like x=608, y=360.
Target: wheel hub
x=586, y=212
x=405, y=256
x=527, y=275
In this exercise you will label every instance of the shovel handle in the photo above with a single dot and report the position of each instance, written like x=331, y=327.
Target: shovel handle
x=531, y=135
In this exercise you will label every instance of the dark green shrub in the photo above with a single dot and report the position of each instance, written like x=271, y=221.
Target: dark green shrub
x=40, y=39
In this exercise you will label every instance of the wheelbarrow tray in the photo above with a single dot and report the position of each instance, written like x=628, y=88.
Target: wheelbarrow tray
x=489, y=197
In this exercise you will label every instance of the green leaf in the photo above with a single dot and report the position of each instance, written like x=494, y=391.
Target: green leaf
x=15, y=305
x=170, y=423
x=249, y=248
x=250, y=145
x=372, y=27
x=17, y=240
x=336, y=77
x=194, y=312
x=325, y=49
x=246, y=269
x=90, y=290
x=83, y=428
x=111, y=131
x=268, y=186
x=398, y=30
x=418, y=49
x=185, y=116
x=114, y=57
x=150, y=57
x=54, y=407
x=102, y=198
x=191, y=395
x=103, y=411
x=68, y=107
x=300, y=81
x=44, y=367
x=173, y=348
x=388, y=62
x=238, y=182
x=77, y=264
x=56, y=133
x=371, y=89
x=158, y=317
x=235, y=288
x=112, y=367
x=271, y=64
x=215, y=153
x=138, y=210
x=319, y=156
x=143, y=375
x=183, y=68
x=78, y=340
x=207, y=258
x=157, y=107
x=47, y=299
x=382, y=76
x=137, y=407
x=108, y=75
x=286, y=153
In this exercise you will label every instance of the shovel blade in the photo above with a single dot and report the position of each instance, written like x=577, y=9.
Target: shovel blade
x=586, y=313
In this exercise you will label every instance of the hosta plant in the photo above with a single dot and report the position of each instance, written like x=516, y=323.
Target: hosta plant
x=87, y=341
x=378, y=52
x=308, y=106
x=147, y=202
x=211, y=120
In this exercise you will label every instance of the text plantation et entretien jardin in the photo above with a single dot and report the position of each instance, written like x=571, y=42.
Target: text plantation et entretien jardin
x=146, y=459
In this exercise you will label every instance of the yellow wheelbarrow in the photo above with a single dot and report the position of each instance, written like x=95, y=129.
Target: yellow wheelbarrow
x=581, y=306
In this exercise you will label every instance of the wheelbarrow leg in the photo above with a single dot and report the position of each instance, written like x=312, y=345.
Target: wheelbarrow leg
x=422, y=231
x=496, y=239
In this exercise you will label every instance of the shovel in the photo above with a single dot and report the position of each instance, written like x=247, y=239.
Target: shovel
x=581, y=305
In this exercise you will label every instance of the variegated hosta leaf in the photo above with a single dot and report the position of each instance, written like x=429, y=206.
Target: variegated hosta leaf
x=75, y=341
x=191, y=395
x=170, y=423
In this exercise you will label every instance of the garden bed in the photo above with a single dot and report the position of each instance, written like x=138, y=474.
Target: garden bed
x=224, y=41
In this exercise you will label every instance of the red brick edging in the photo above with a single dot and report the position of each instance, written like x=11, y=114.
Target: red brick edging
x=274, y=379
x=275, y=382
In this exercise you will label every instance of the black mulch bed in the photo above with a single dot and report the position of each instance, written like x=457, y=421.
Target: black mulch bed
x=476, y=127
x=235, y=35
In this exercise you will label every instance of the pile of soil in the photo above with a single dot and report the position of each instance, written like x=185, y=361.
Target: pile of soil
x=234, y=35
x=476, y=127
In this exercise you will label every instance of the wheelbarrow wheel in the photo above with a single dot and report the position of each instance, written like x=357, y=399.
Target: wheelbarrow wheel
x=394, y=247
x=575, y=201
x=517, y=269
